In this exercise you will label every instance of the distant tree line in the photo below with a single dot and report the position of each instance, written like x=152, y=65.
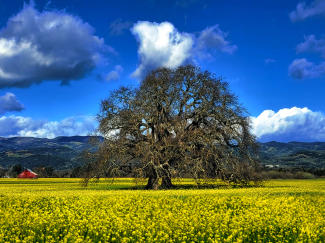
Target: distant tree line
x=292, y=173
x=128, y=171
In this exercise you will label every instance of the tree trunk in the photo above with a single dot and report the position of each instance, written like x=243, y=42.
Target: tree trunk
x=153, y=181
x=166, y=182
x=167, y=178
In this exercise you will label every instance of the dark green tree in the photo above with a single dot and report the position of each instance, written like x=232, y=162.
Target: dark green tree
x=15, y=170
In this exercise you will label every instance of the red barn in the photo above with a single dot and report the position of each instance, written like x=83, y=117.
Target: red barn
x=27, y=174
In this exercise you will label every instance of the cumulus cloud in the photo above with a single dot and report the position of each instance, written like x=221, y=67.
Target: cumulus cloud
x=12, y=126
x=162, y=45
x=289, y=124
x=304, y=11
x=301, y=69
x=114, y=74
x=9, y=102
x=50, y=45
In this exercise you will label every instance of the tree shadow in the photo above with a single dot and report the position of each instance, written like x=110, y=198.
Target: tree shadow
x=177, y=185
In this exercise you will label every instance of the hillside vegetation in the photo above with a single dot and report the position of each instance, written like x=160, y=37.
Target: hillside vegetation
x=64, y=153
x=293, y=154
x=60, y=153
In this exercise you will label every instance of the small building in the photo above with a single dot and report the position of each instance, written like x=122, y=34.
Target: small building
x=27, y=174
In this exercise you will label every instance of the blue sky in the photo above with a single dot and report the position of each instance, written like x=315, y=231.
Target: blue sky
x=58, y=59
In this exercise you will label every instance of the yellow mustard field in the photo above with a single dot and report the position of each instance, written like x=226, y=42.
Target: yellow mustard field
x=61, y=210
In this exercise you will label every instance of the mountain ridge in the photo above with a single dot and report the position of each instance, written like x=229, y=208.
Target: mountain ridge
x=64, y=152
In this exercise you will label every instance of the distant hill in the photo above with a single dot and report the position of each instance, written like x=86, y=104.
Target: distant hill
x=293, y=154
x=64, y=153
x=59, y=153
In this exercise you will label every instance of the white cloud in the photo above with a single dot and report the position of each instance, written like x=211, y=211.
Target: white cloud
x=301, y=69
x=289, y=124
x=304, y=11
x=114, y=74
x=118, y=27
x=9, y=102
x=311, y=44
x=12, y=126
x=269, y=60
x=50, y=45
x=162, y=45
x=188, y=3
x=213, y=38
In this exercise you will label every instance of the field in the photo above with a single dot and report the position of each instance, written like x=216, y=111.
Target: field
x=52, y=210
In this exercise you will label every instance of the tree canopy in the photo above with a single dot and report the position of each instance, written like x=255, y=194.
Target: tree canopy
x=180, y=122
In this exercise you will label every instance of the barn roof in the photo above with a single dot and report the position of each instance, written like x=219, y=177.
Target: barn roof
x=27, y=173
x=31, y=171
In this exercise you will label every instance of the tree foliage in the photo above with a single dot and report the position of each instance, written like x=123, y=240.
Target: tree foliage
x=178, y=123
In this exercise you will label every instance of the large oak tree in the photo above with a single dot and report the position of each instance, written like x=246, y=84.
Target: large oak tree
x=181, y=122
